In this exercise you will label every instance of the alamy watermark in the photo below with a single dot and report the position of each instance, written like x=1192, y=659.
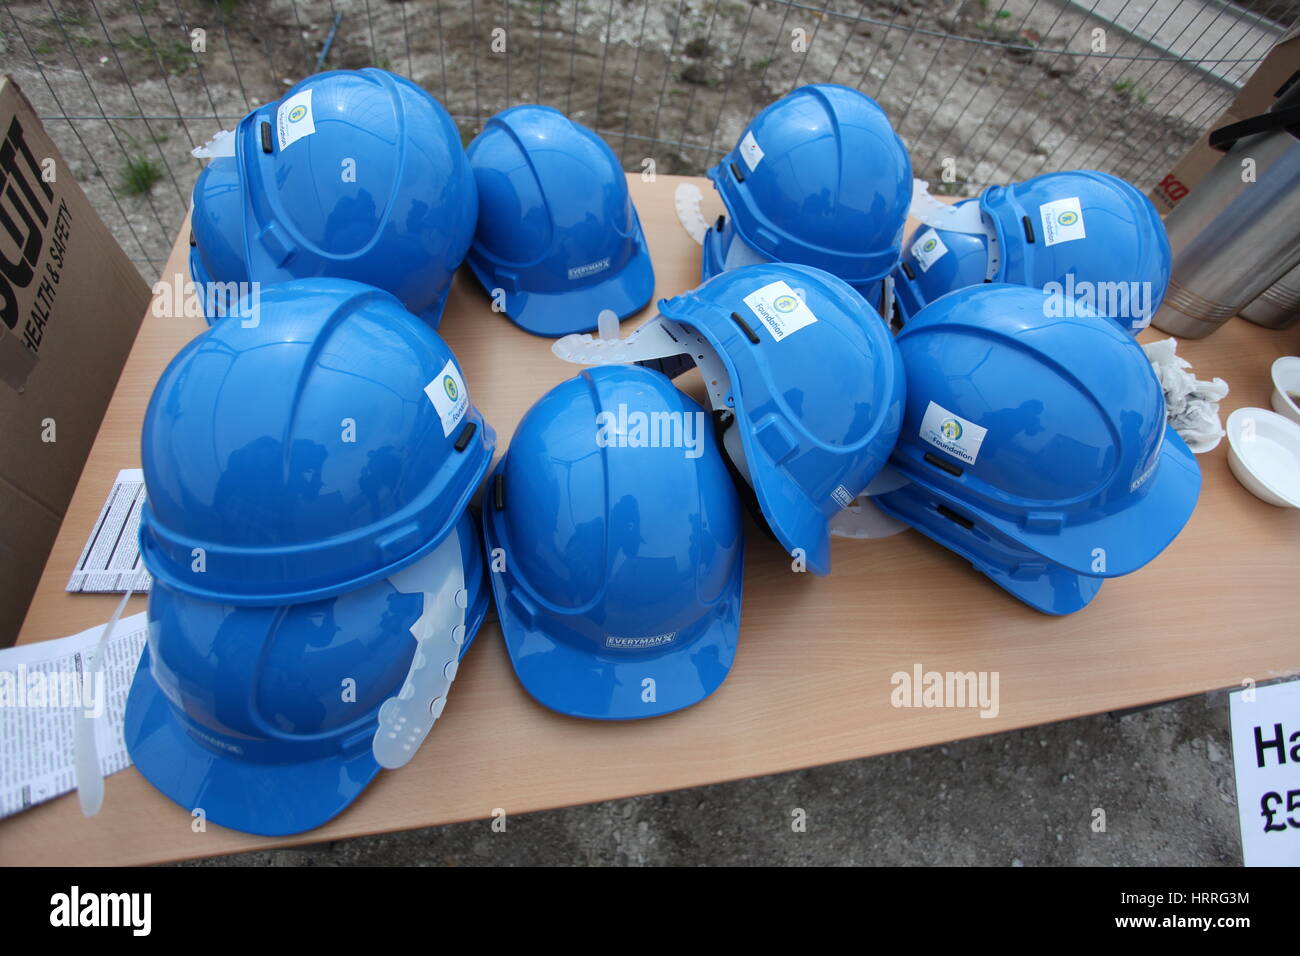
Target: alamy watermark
x=1131, y=302
x=946, y=689
x=55, y=689
x=626, y=428
x=182, y=298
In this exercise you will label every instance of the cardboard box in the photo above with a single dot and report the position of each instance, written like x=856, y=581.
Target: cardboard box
x=1254, y=98
x=70, y=306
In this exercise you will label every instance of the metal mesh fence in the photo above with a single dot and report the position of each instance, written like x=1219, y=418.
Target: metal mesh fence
x=981, y=90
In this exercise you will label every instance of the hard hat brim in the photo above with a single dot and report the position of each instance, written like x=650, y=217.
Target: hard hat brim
x=579, y=683
x=1052, y=590
x=261, y=798
x=1129, y=538
x=553, y=314
x=1122, y=541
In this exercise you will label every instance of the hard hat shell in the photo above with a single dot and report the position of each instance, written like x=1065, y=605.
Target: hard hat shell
x=1047, y=434
x=240, y=710
x=623, y=560
x=1086, y=225
x=935, y=262
x=817, y=386
x=820, y=178
x=352, y=174
x=247, y=453
x=717, y=243
x=557, y=230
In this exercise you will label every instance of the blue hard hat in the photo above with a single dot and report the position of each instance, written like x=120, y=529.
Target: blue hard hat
x=308, y=477
x=245, y=457
x=352, y=174
x=623, y=548
x=239, y=710
x=1036, y=447
x=718, y=249
x=1082, y=233
x=820, y=178
x=557, y=231
x=816, y=386
x=935, y=262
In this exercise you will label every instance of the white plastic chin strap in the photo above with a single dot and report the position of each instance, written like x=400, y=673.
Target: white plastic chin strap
x=863, y=518
x=406, y=719
x=221, y=144
x=687, y=198
x=658, y=338
x=968, y=218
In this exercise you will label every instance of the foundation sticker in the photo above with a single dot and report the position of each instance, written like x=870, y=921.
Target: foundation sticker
x=449, y=396
x=780, y=309
x=1062, y=221
x=751, y=152
x=928, y=249
x=952, y=433
x=293, y=120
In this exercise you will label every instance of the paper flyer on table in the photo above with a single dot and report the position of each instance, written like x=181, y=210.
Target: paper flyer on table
x=41, y=690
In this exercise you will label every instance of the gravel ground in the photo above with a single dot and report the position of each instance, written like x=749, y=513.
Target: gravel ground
x=1028, y=798
x=1003, y=89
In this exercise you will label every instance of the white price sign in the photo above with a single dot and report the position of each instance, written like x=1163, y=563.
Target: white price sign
x=1266, y=751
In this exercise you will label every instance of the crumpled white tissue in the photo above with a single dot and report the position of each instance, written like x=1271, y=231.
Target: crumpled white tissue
x=1192, y=404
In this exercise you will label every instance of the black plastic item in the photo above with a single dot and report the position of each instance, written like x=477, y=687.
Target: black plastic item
x=954, y=517
x=499, y=492
x=949, y=467
x=907, y=271
x=745, y=327
x=1285, y=114
x=193, y=242
x=721, y=221
x=735, y=171
x=266, y=137
x=466, y=433
x=1029, y=228
x=1224, y=138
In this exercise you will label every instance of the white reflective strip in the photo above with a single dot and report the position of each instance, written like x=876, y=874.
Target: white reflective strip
x=406, y=718
x=967, y=218
x=687, y=199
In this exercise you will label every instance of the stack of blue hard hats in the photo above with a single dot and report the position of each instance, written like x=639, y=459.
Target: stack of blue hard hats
x=311, y=458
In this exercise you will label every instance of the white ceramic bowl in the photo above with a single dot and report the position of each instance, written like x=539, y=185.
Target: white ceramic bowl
x=1286, y=382
x=1264, y=454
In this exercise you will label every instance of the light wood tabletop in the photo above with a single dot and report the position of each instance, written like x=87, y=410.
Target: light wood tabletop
x=812, y=678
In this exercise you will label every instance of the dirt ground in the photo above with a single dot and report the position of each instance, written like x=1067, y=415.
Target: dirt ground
x=1003, y=89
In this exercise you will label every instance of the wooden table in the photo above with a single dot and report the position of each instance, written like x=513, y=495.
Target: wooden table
x=812, y=679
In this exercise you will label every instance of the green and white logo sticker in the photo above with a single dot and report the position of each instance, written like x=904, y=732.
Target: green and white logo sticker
x=447, y=392
x=1062, y=221
x=294, y=120
x=928, y=249
x=751, y=152
x=780, y=309
x=952, y=433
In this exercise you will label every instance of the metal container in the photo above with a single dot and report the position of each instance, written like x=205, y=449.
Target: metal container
x=1278, y=306
x=1233, y=239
